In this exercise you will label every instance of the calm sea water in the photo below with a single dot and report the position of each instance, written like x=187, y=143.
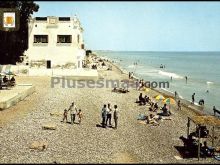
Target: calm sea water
x=201, y=68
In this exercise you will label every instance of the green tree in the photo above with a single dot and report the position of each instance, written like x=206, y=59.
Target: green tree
x=13, y=44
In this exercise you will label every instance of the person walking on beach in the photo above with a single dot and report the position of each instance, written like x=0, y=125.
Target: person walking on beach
x=79, y=114
x=115, y=116
x=193, y=98
x=73, y=112
x=104, y=115
x=109, y=115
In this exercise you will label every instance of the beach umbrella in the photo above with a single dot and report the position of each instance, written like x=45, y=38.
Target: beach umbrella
x=169, y=101
x=159, y=97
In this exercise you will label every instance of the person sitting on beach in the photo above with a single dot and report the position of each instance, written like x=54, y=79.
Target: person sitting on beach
x=207, y=151
x=141, y=100
x=5, y=79
x=165, y=111
x=155, y=107
x=12, y=81
x=103, y=64
x=190, y=143
x=151, y=119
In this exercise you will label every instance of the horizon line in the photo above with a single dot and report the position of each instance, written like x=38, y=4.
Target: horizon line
x=217, y=51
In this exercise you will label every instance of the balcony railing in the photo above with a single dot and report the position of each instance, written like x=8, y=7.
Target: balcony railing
x=40, y=44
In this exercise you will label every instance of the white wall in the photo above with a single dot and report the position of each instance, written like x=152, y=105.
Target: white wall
x=58, y=53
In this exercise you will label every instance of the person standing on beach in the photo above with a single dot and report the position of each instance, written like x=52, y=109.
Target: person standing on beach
x=115, y=115
x=175, y=95
x=79, y=116
x=186, y=79
x=104, y=115
x=137, y=84
x=109, y=115
x=193, y=98
x=179, y=105
x=132, y=75
x=65, y=115
x=73, y=112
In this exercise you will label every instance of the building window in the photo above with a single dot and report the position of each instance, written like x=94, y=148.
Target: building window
x=40, y=38
x=41, y=18
x=64, y=18
x=64, y=39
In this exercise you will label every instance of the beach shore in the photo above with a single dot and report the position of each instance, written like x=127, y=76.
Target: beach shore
x=132, y=142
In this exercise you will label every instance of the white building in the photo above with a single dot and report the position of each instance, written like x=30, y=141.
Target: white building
x=56, y=40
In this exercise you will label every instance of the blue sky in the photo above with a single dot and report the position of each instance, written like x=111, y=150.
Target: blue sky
x=143, y=26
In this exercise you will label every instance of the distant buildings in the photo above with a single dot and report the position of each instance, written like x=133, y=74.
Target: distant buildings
x=56, y=40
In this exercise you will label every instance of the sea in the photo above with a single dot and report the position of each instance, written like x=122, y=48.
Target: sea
x=201, y=68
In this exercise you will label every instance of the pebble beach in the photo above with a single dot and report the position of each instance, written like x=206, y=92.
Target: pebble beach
x=132, y=142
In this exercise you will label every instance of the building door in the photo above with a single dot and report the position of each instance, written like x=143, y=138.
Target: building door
x=48, y=64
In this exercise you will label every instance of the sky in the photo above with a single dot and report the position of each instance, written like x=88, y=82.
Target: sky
x=143, y=26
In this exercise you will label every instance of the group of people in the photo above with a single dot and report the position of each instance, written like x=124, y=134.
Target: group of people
x=107, y=113
x=74, y=112
x=192, y=144
x=6, y=81
x=143, y=100
x=201, y=101
x=162, y=66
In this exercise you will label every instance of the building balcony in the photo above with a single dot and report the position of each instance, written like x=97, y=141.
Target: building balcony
x=63, y=44
x=40, y=44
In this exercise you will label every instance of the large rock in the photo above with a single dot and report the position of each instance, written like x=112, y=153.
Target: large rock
x=49, y=126
x=38, y=145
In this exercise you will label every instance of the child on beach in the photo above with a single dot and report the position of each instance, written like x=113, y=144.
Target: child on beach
x=79, y=116
x=65, y=115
